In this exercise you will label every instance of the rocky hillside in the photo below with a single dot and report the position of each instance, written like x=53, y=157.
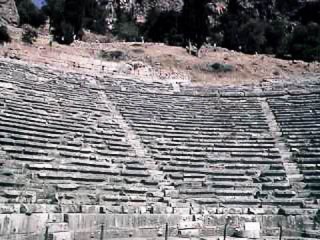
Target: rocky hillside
x=287, y=29
x=8, y=12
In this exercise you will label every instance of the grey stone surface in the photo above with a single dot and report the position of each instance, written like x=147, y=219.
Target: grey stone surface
x=8, y=12
x=137, y=158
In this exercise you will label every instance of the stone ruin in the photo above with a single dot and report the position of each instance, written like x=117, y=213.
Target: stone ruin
x=84, y=157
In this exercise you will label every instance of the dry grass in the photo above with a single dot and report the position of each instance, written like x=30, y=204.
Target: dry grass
x=248, y=69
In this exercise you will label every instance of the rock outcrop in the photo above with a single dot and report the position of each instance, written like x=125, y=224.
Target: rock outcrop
x=8, y=12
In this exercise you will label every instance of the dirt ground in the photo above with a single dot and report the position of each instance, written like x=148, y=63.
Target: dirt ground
x=157, y=60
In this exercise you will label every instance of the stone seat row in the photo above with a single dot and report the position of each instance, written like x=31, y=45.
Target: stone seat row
x=209, y=107
x=195, y=116
x=298, y=117
x=13, y=143
x=191, y=138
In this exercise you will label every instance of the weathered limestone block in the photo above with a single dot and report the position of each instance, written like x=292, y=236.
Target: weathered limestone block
x=81, y=221
x=33, y=208
x=172, y=193
x=57, y=227
x=60, y=236
x=230, y=210
x=251, y=230
x=90, y=209
x=9, y=209
x=21, y=196
x=55, y=217
x=256, y=211
x=183, y=211
x=22, y=224
x=67, y=187
x=70, y=208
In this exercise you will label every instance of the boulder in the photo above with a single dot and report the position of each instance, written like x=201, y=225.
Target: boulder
x=8, y=12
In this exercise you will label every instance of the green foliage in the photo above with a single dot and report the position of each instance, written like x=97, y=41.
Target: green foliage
x=4, y=35
x=74, y=13
x=218, y=67
x=163, y=27
x=309, y=13
x=69, y=17
x=29, y=34
x=305, y=42
x=55, y=10
x=285, y=6
x=62, y=22
x=267, y=29
x=277, y=36
x=242, y=31
x=194, y=22
x=96, y=20
x=252, y=36
x=126, y=28
x=30, y=14
x=67, y=33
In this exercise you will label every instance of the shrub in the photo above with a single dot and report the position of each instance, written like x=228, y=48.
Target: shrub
x=29, y=34
x=115, y=55
x=4, y=35
x=218, y=67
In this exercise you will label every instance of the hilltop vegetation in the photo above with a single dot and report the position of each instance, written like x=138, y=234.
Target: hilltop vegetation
x=285, y=28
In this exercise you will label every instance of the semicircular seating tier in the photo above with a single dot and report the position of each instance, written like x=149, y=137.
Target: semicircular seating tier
x=69, y=141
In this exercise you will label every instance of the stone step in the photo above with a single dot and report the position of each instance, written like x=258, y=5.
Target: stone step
x=60, y=236
x=58, y=227
x=295, y=177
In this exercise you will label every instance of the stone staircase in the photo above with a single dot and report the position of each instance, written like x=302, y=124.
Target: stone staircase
x=132, y=137
x=292, y=171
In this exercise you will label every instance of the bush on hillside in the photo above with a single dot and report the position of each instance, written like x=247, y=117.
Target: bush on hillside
x=29, y=34
x=115, y=55
x=4, y=35
x=218, y=68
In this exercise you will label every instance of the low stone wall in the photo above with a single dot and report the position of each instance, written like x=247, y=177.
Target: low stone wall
x=88, y=226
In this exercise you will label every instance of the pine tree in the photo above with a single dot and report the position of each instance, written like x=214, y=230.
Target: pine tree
x=194, y=21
